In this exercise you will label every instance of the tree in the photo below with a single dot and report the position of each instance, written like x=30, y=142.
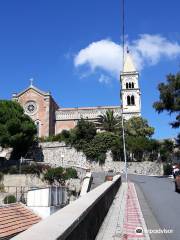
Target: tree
x=137, y=126
x=84, y=130
x=166, y=150
x=17, y=130
x=138, y=141
x=170, y=98
x=96, y=149
x=108, y=121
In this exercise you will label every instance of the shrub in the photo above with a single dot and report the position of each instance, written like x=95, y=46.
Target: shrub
x=9, y=199
x=34, y=168
x=55, y=175
x=59, y=175
x=71, y=173
x=13, y=170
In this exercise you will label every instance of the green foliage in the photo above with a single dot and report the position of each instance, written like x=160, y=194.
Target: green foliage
x=108, y=121
x=70, y=173
x=95, y=145
x=59, y=175
x=167, y=167
x=55, y=174
x=17, y=130
x=166, y=150
x=33, y=168
x=96, y=149
x=59, y=137
x=117, y=149
x=9, y=199
x=84, y=130
x=170, y=97
x=137, y=126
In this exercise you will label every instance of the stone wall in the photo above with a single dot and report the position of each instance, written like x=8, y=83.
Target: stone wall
x=5, y=153
x=58, y=154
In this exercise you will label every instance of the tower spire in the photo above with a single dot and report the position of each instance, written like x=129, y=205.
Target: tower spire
x=129, y=65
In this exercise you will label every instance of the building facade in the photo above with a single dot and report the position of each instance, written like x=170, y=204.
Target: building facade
x=51, y=119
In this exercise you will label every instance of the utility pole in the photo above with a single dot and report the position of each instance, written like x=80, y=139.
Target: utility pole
x=124, y=144
x=122, y=117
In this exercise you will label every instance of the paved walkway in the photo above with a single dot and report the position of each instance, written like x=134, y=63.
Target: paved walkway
x=124, y=218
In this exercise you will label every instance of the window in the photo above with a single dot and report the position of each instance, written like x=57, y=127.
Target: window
x=129, y=85
x=128, y=100
x=37, y=123
x=132, y=85
x=132, y=100
x=126, y=85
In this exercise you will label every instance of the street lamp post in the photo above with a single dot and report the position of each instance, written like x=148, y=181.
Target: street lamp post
x=124, y=143
x=20, y=162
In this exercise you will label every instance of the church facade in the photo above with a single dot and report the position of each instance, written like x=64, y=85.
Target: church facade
x=51, y=119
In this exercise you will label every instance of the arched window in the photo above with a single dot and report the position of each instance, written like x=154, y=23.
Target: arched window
x=37, y=123
x=132, y=100
x=128, y=100
x=132, y=85
x=126, y=85
x=129, y=85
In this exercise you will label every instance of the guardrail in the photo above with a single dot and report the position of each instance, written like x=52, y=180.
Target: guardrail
x=80, y=220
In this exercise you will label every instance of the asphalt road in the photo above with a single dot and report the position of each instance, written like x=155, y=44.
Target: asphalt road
x=160, y=204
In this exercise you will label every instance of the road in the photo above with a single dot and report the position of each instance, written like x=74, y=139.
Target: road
x=160, y=204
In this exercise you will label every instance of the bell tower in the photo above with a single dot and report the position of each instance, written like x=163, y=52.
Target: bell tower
x=130, y=91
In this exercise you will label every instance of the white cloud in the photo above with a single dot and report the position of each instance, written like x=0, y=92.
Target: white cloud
x=152, y=48
x=104, y=79
x=103, y=54
x=107, y=55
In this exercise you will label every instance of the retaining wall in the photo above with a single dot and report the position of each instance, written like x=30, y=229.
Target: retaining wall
x=52, y=152
x=80, y=220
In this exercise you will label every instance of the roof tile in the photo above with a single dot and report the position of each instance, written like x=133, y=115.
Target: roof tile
x=15, y=218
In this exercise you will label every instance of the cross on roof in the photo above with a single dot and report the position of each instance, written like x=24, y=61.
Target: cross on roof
x=31, y=81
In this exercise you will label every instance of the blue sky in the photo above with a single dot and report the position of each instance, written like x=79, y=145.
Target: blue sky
x=54, y=41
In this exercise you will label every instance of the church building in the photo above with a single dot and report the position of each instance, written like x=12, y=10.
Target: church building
x=51, y=119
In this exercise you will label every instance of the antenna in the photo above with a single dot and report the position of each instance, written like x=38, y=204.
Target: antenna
x=123, y=30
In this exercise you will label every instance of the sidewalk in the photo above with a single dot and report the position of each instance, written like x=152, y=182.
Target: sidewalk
x=124, y=217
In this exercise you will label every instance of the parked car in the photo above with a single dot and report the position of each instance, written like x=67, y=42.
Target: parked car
x=177, y=181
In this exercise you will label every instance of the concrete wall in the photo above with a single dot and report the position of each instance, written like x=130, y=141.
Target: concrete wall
x=52, y=152
x=23, y=180
x=80, y=220
x=19, y=184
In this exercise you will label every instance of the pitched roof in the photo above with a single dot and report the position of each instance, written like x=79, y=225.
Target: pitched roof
x=15, y=218
x=35, y=89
